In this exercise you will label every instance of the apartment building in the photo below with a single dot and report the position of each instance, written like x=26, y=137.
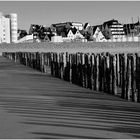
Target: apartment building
x=13, y=27
x=4, y=29
x=114, y=29
x=8, y=28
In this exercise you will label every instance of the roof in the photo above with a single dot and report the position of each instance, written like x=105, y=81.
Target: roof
x=110, y=22
x=85, y=26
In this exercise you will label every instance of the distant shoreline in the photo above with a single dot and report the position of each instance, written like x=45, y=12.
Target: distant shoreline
x=86, y=47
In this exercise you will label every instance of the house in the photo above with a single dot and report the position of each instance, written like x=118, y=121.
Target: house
x=27, y=38
x=98, y=35
x=40, y=32
x=78, y=35
x=70, y=34
x=132, y=29
x=74, y=35
x=77, y=25
x=56, y=39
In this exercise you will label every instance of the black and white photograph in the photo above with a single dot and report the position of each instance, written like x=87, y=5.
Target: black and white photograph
x=69, y=69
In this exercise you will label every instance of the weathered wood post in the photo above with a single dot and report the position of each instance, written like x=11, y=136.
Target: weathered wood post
x=26, y=59
x=15, y=57
x=70, y=61
x=83, y=69
x=128, y=78
x=117, y=69
x=124, y=59
x=52, y=64
x=62, y=65
x=138, y=76
x=133, y=77
x=108, y=73
x=42, y=62
x=89, y=71
x=92, y=59
x=104, y=73
x=114, y=77
x=64, y=61
x=86, y=71
x=97, y=72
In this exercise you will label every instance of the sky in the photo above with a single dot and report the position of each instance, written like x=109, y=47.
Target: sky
x=49, y=12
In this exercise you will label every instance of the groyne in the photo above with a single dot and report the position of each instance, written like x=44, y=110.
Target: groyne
x=113, y=73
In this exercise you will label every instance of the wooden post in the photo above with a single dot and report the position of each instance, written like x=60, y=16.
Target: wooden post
x=26, y=59
x=123, y=94
x=97, y=73
x=83, y=69
x=64, y=61
x=114, y=77
x=92, y=59
x=42, y=62
x=138, y=76
x=70, y=61
x=117, y=69
x=133, y=77
x=15, y=57
x=108, y=73
x=128, y=78
x=52, y=65
x=62, y=65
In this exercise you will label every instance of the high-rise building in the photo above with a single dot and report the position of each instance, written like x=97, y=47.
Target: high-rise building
x=13, y=27
x=8, y=28
x=4, y=29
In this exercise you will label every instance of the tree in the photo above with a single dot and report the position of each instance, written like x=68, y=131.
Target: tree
x=21, y=33
x=88, y=33
x=107, y=32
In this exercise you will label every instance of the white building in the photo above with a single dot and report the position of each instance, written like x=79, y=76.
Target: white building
x=4, y=29
x=77, y=25
x=70, y=35
x=98, y=36
x=56, y=39
x=8, y=28
x=13, y=27
x=27, y=38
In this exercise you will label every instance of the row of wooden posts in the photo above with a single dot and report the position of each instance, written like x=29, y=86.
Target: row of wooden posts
x=117, y=74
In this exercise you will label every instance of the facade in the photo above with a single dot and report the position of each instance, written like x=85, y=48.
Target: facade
x=13, y=27
x=98, y=36
x=77, y=25
x=65, y=26
x=78, y=35
x=8, y=28
x=56, y=39
x=113, y=29
x=70, y=35
x=4, y=29
x=132, y=29
x=25, y=39
x=74, y=35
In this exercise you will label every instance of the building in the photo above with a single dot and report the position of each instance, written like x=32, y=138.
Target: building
x=56, y=39
x=132, y=29
x=25, y=39
x=98, y=35
x=77, y=25
x=40, y=32
x=8, y=28
x=13, y=27
x=65, y=26
x=113, y=29
x=4, y=29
